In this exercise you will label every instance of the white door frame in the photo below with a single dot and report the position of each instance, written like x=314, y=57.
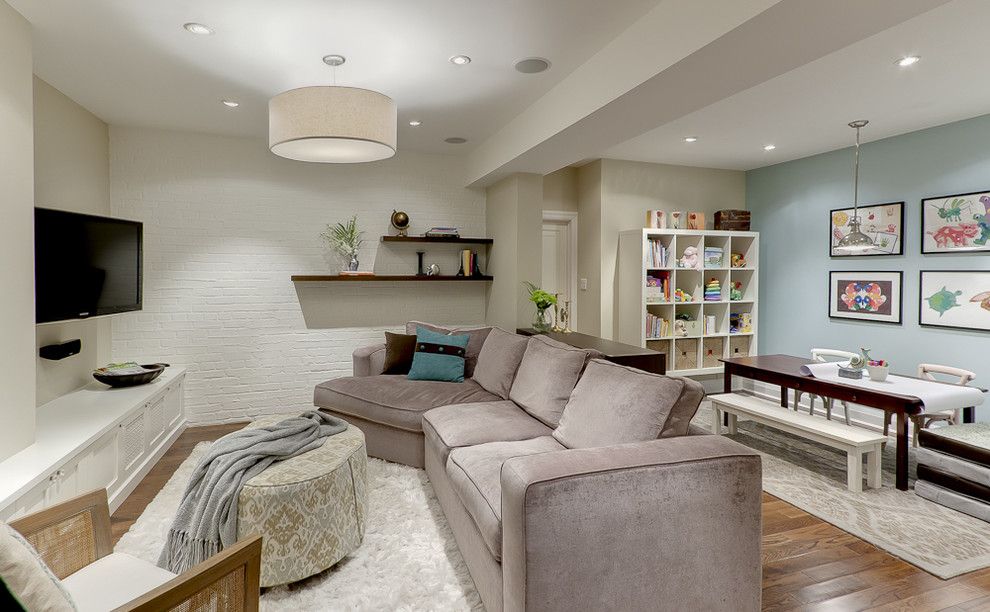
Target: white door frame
x=570, y=219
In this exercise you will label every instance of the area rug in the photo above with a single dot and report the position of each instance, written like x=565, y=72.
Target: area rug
x=812, y=477
x=408, y=561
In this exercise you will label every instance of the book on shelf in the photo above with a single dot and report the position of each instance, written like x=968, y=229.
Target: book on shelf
x=357, y=273
x=659, y=255
x=469, y=264
x=442, y=232
x=656, y=327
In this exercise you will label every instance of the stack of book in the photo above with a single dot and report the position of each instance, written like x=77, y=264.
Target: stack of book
x=658, y=256
x=656, y=327
x=658, y=288
x=442, y=232
x=469, y=264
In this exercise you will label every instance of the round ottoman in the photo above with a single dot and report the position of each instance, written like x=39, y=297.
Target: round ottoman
x=309, y=509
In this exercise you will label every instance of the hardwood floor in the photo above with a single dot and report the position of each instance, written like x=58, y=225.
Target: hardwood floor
x=808, y=564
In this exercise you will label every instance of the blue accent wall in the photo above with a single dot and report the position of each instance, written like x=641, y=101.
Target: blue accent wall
x=790, y=203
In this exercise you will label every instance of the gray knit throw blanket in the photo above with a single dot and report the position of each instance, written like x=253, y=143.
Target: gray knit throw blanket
x=206, y=521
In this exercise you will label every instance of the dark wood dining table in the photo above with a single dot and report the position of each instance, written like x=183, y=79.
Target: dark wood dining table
x=785, y=371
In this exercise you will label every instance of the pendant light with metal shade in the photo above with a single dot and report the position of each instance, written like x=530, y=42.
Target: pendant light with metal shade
x=856, y=242
x=332, y=124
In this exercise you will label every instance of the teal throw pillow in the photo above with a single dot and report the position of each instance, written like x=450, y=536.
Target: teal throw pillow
x=439, y=356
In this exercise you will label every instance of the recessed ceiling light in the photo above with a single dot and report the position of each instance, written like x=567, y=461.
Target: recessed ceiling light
x=691, y=139
x=909, y=60
x=197, y=28
x=532, y=65
x=460, y=60
x=230, y=103
x=415, y=123
x=769, y=147
x=455, y=140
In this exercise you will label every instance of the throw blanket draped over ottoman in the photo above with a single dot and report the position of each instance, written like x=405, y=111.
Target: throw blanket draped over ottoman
x=310, y=509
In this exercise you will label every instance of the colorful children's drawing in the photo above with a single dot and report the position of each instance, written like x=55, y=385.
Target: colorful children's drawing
x=943, y=300
x=983, y=299
x=865, y=297
x=883, y=223
x=956, y=223
x=959, y=299
x=868, y=296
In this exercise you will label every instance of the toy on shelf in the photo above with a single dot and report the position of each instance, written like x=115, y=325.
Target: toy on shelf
x=713, y=290
x=690, y=259
x=737, y=260
x=735, y=291
x=680, y=328
x=740, y=323
x=681, y=296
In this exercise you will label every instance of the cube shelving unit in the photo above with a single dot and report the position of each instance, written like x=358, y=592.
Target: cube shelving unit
x=698, y=352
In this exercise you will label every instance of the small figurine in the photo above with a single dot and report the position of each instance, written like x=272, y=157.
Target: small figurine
x=681, y=296
x=680, y=328
x=735, y=292
x=690, y=259
x=737, y=260
x=713, y=290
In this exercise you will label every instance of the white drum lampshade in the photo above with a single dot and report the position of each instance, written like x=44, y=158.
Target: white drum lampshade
x=341, y=125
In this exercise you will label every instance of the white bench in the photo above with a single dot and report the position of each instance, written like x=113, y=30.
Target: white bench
x=854, y=440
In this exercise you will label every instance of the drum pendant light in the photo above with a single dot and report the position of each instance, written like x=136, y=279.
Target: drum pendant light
x=856, y=242
x=332, y=124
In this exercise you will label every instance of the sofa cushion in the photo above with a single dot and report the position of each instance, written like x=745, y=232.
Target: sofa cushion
x=439, y=356
x=27, y=577
x=470, y=424
x=399, y=352
x=112, y=581
x=679, y=421
x=547, y=375
x=477, y=334
x=475, y=473
x=499, y=360
x=614, y=404
x=395, y=400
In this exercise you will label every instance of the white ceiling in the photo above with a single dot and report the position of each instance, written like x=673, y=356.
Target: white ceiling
x=805, y=111
x=131, y=63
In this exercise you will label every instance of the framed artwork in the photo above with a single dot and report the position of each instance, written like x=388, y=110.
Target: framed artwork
x=956, y=223
x=865, y=296
x=884, y=223
x=952, y=298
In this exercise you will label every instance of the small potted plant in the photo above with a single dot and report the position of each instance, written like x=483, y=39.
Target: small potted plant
x=345, y=239
x=543, y=301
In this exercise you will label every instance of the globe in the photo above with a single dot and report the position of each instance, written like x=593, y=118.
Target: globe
x=400, y=221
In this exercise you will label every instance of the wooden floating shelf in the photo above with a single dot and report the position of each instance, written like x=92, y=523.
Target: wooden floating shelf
x=437, y=239
x=369, y=278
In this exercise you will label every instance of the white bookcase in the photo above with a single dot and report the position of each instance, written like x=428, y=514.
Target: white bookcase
x=698, y=352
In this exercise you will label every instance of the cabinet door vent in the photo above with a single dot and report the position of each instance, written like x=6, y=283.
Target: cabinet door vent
x=132, y=445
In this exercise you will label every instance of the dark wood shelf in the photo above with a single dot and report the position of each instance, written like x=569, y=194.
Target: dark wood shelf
x=437, y=239
x=302, y=278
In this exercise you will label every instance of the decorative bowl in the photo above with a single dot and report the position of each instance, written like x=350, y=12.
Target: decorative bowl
x=154, y=370
x=878, y=373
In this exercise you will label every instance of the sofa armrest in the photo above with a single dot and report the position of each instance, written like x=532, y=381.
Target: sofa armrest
x=697, y=430
x=629, y=527
x=369, y=360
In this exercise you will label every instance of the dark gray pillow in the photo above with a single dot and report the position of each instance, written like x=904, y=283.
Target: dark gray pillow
x=547, y=375
x=498, y=361
x=614, y=404
x=477, y=334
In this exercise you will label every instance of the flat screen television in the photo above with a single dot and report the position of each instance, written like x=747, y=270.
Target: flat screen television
x=85, y=266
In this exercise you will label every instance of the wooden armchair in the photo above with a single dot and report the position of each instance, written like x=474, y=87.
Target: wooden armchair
x=75, y=534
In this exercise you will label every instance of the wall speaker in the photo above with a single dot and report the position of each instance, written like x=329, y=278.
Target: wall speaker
x=61, y=351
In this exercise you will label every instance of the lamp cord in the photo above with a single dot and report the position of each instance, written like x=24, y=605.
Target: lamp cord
x=856, y=181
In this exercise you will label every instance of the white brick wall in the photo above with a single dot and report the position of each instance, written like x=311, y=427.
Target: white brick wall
x=226, y=224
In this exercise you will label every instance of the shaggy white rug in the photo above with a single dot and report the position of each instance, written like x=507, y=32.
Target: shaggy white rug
x=408, y=561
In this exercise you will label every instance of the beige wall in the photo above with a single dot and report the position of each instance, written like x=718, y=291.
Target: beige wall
x=560, y=190
x=514, y=218
x=17, y=390
x=71, y=172
x=614, y=195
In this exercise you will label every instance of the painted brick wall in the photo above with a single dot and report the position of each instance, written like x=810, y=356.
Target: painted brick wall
x=226, y=225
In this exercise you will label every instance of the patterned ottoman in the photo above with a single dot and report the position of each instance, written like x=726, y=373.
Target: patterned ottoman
x=310, y=509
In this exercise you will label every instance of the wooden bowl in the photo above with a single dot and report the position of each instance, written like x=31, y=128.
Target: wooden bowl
x=132, y=380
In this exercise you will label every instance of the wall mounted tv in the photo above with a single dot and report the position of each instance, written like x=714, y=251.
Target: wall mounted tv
x=85, y=266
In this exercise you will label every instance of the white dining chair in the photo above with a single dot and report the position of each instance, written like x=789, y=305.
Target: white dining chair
x=924, y=420
x=823, y=355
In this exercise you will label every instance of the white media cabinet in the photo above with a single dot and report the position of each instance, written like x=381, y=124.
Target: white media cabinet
x=93, y=438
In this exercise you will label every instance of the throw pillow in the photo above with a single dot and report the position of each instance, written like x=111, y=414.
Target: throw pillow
x=499, y=360
x=27, y=577
x=439, y=356
x=399, y=351
x=547, y=375
x=478, y=336
x=614, y=404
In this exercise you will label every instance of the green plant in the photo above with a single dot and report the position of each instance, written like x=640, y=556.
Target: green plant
x=345, y=238
x=541, y=298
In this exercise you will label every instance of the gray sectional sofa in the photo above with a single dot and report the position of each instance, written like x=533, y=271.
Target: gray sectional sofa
x=570, y=482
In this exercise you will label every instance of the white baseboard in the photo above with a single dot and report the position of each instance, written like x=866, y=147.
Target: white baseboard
x=117, y=497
